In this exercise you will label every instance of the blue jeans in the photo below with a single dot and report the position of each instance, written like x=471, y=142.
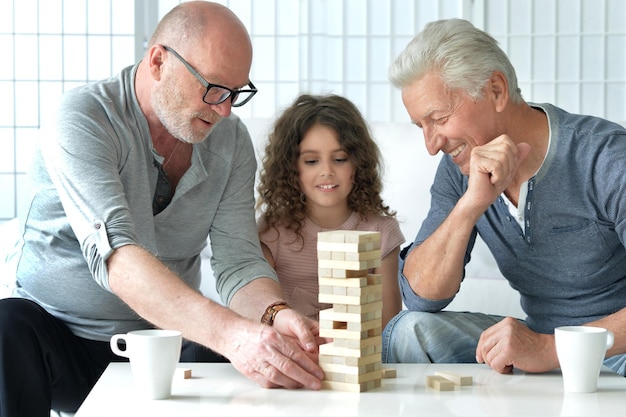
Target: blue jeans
x=445, y=337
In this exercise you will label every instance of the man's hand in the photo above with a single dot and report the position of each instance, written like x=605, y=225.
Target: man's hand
x=271, y=359
x=510, y=344
x=493, y=167
x=306, y=331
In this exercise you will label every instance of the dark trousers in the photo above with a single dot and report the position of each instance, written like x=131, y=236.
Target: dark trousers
x=44, y=366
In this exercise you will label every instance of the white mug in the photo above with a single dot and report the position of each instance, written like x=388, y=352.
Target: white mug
x=581, y=350
x=154, y=355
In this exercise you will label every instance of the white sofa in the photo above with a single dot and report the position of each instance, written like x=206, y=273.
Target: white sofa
x=408, y=174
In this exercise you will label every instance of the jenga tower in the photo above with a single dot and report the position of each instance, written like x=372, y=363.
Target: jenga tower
x=352, y=362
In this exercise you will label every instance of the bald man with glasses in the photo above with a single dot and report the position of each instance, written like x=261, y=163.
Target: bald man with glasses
x=130, y=180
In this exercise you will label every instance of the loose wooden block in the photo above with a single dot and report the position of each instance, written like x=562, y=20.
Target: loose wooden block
x=389, y=373
x=457, y=379
x=439, y=383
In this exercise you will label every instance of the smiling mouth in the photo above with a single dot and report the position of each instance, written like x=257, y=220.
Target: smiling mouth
x=457, y=151
x=327, y=187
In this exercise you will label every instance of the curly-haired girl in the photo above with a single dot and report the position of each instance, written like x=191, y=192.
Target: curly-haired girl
x=321, y=171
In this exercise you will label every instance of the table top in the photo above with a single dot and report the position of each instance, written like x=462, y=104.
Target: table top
x=217, y=389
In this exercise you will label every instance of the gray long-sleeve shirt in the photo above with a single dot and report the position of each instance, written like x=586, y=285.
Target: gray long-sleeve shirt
x=93, y=182
x=569, y=262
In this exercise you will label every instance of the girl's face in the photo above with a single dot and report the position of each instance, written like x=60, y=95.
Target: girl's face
x=325, y=172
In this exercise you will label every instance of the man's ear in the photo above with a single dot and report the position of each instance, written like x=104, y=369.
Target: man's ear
x=155, y=57
x=499, y=90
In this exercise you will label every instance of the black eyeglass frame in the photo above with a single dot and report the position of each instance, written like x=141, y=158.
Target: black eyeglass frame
x=233, y=94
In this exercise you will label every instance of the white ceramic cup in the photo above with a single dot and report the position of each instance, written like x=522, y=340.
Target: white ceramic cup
x=154, y=355
x=581, y=350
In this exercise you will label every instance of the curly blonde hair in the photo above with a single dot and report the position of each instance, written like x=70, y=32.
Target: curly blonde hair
x=280, y=197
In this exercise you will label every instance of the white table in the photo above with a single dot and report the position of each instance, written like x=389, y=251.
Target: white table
x=219, y=390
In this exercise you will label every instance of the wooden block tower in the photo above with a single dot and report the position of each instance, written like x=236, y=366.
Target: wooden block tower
x=352, y=362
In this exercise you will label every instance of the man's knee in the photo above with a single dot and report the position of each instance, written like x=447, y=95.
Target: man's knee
x=16, y=311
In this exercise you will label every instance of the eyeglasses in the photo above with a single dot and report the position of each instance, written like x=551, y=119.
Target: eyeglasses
x=215, y=93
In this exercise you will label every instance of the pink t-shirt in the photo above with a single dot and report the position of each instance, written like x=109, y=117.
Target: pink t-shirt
x=296, y=265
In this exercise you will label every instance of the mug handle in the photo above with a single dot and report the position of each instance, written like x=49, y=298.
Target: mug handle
x=117, y=337
x=610, y=339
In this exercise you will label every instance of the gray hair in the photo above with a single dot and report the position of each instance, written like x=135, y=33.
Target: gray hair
x=464, y=56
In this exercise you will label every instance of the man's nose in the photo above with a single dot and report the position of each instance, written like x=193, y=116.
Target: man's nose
x=432, y=140
x=223, y=109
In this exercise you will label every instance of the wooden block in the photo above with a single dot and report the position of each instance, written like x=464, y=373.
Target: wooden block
x=369, y=368
x=364, y=308
x=324, y=254
x=345, y=273
x=337, y=290
x=343, y=282
x=366, y=325
x=439, y=383
x=357, y=256
x=337, y=256
x=363, y=348
x=349, y=299
x=389, y=373
x=344, y=386
x=183, y=373
x=341, y=299
x=457, y=379
x=374, y=279
x=349, y=265
x=348, y=236
x=376, y=342
x=326, y=289
x=361, y=291
x=331, y=314
x=324, y=272
x=352, y=378
x=348, y=256
x=347, y=247
x=350, y=360
x=343, y=333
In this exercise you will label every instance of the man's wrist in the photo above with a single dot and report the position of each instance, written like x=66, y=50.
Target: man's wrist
x=270, y=312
